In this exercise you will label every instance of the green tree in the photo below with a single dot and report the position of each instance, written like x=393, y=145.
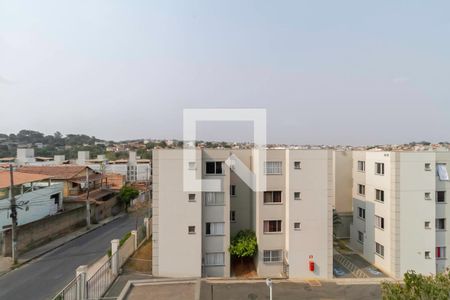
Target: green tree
x=244, y=244
x=418, y=287
x=126, y=194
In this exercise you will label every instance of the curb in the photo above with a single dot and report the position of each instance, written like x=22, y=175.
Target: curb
x=20, y=265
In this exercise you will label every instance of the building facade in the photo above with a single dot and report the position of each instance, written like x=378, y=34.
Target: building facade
x=292, y=217
x=399, y=210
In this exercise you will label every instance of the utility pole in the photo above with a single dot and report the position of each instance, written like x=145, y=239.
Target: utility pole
x=88, y=204
x=13, y=216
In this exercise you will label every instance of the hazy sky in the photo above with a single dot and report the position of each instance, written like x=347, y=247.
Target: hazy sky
x=328, y=72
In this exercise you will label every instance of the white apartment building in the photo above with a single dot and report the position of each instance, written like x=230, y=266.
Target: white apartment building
x=292, y=218
x=400, y=210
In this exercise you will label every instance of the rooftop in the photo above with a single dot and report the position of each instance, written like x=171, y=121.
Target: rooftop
x=62, y=172
x=19, y=178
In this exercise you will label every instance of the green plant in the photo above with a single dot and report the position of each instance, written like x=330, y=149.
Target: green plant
x=244, y=244
x=418, y=287
x=126, y=194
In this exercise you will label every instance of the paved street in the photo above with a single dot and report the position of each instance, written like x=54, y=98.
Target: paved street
x=44, y=277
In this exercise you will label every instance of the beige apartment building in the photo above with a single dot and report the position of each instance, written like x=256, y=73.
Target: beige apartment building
x=292, y=216
x=399, y=210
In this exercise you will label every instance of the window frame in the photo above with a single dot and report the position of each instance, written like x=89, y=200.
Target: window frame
x=215, y=202
x=379, y=249
x=214, y=264
x=273, y=169
x=297, y=165
x=191, y=231
x=193, y=198
x=361, y=166
x=437, y=196
x=273, y=197
x=361, y=211
x=213, y=229
x=278, y=225
x=268, y=256
x=361, y=234
x=379, y=222
x=439, y=251
x=299, y=226
x=216, y=164
x=232, y=216
x=361, y=187
x=233, y=190
x=299, y=196
x=378, y=193
x=444, y=222
x=379, y=171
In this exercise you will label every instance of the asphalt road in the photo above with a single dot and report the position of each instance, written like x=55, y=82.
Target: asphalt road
x=44, y=277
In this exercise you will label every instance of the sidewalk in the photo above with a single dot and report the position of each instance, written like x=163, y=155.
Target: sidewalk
x=6, y=262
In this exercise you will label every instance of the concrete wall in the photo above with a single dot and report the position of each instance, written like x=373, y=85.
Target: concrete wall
x=176, y=253
x=39, y=205
x=39, y=232
x=314, y=211
x=343, y=181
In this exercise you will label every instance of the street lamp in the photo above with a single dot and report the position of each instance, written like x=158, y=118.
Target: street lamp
x=269, y=284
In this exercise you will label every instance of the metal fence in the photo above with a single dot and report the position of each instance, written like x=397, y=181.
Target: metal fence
x=99, y=283
x=70, y=291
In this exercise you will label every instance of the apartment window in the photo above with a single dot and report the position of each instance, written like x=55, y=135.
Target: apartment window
x=191, y=229
x=297, y=165
x=427, y=167
x=215, y=228
x=441, y=252
x=214, y=168
x=215, y=259
x=379, y=168
x=441, y=170
x=427, y=225
x=360, y=237
x=232, y=216
x=361, y=189
x=192, y=165
x=440, y=224
x=214, y=198
x=272, y=167
x=362, y=213
x=191, y=197
x=272, y=226
x=427, y=254
x=379, y=222
x=427, y=196
x=440, y=196
x=297, y=196
x=272, y=197
x=233, y=190
x=297, y=226
x=273, y=255
x=361, y=166
x=379, y=249
x=379, y=195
